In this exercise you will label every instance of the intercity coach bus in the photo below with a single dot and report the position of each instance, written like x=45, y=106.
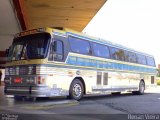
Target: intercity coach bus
x=47, y=62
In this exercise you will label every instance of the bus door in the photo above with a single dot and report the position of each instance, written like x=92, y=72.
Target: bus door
x=102, y=82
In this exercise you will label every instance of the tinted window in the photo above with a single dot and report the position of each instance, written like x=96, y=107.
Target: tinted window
x=79, y=46
x=32, y=46
x=130, y=57
x=100, y=50
x=17, y=51
x=56, y=51
x=36, y=48
x=59, y=47
x=150, y=61
x=141, y=59
x=117, y=54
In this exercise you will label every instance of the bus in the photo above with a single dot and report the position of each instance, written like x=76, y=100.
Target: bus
x=47, y=62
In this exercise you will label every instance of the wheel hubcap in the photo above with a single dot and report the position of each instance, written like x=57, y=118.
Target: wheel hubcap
x=77, y=90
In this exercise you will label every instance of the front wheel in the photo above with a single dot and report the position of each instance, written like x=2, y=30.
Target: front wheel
x=116, y=93
x=76, y=90
x=18, y=98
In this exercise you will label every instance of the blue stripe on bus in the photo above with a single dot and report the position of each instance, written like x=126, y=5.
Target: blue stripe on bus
x=77, y=61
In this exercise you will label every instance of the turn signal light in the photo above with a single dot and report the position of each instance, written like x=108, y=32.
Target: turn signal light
x=40, y=80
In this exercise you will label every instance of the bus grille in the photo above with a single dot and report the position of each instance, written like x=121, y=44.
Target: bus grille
x=21, y=70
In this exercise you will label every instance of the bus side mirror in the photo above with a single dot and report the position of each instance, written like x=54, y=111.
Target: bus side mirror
x=54, y=46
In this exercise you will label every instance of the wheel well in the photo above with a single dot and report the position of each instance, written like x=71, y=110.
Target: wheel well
x=81, y=79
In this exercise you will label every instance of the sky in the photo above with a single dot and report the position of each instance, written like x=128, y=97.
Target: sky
x=131, y=23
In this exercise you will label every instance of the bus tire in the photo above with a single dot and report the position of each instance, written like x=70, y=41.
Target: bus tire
x=18, y=98
x=76, y=90
x=116, y=93
x=134, y=92
x=141, y=88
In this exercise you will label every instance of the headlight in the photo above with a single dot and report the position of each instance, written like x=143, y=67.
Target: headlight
x=41, y=79
x=7, y=80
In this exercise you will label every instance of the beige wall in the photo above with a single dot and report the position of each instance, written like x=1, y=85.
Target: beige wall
x=8, y=24
x=3, y=74
x=6, y=41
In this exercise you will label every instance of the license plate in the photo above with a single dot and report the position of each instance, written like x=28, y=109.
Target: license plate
x=18, y=80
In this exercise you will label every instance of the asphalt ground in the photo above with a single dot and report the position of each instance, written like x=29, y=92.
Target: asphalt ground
x=120, y=107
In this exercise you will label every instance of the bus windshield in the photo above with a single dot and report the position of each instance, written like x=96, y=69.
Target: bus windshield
x=30, y=47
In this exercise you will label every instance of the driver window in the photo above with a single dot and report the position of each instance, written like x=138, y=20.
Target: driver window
x=56, y=51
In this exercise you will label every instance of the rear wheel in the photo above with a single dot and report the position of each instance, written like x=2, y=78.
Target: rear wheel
x=76, y=90
x=18, y=98
x=141, y=88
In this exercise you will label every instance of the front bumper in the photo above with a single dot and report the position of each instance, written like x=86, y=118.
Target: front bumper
x=35, y=91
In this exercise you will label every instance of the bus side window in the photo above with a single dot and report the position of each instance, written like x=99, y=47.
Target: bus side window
x=117, y=54
x=141, y=59
x=130, y=57
x=150, y=61
x=100, y=50
x=80, y=46
x=56, y=51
